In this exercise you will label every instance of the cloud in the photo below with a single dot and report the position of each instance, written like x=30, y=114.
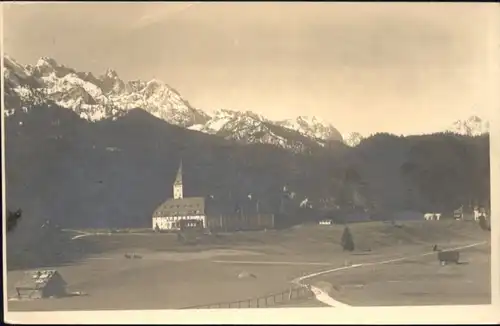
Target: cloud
x=161, y=15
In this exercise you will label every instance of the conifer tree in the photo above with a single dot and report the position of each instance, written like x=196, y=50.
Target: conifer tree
x=484, y=224
x=347, y=240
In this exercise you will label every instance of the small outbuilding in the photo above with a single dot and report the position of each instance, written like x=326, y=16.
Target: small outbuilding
x=41, y=284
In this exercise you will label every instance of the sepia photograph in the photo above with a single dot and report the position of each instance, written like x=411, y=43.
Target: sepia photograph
x=228, y=155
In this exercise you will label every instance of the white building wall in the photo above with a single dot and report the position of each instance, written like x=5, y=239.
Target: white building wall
x=168, y=222
x=432, y=216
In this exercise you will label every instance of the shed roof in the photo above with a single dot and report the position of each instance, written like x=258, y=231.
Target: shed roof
x=38, y=279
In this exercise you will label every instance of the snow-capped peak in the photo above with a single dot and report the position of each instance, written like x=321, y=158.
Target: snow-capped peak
x=12, y=69
x=110, y=73
x=107, y=96
x=353, y=139
x=46, y=61
x=472, y=126
x=312, y=127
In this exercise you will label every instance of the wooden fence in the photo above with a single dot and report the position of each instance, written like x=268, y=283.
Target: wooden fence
x=266, y=301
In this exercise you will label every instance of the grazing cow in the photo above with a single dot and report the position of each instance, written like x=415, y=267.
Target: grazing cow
x=128, y=256
x=446, y=257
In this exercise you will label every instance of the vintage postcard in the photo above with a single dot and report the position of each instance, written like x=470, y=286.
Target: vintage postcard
x=264, y=162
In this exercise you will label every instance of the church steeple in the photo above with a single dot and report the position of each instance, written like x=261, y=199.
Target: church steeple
x=178, y=191
x=178, y=178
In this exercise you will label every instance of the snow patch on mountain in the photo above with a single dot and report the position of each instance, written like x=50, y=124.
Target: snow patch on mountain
x=108, y=97
x=473, y=126
x=353, y=139
x=312, y=127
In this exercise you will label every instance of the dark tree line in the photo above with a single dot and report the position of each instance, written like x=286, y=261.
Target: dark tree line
x=450, y=170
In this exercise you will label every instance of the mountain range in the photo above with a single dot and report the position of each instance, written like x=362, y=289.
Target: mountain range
x=97, y=152
x=96, y=98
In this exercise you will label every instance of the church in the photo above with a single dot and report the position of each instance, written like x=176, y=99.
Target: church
x=210, y=213
x=168, y=216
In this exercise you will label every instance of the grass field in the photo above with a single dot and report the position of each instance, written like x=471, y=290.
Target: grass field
x=171, y=275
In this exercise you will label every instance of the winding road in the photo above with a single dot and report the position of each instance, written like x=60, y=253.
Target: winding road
x=323, y=297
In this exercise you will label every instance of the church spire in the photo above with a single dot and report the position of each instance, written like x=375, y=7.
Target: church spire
x=178, y=191
x=178, y=178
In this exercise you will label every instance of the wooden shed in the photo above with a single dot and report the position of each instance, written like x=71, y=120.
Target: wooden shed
x=41, y=284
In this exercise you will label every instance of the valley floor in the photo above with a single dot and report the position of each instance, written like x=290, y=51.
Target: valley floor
x=171, y=276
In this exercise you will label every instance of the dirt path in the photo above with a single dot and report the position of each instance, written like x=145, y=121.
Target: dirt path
x=324, y=297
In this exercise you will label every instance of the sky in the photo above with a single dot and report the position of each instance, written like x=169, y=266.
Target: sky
x=404, y=68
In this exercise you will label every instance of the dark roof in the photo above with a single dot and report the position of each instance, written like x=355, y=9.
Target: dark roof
x=39, y=279
x=208, y=206
x=181, y=207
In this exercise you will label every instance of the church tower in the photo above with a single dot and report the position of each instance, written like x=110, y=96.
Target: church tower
x=178, y=192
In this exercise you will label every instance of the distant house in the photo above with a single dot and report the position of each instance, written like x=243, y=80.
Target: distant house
x=466, y=214
x=478, y=212
x=41, y=284
x=325, y=222
x=432, y=216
